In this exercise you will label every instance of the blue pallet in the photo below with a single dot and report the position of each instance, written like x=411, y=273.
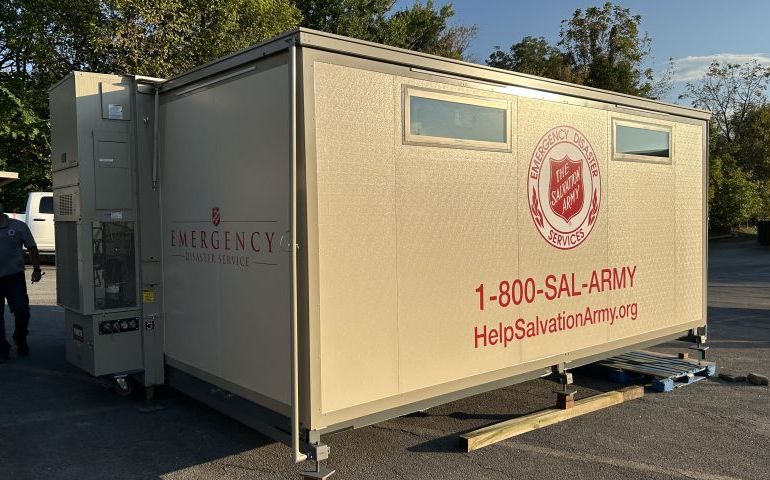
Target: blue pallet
x=618, y=375
x=666, y=372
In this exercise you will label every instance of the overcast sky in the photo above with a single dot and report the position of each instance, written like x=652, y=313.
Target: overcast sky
x=692, y=32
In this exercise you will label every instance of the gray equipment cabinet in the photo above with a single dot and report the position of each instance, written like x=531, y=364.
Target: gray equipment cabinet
x=111, y=325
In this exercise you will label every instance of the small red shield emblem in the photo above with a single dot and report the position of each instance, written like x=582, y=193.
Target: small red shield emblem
x=215, y=217
x=565, y=193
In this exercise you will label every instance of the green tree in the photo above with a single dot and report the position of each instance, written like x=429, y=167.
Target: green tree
x=764, y=200
x=355, y=18
x=422, y=27
x=752, y=141
x=730, y=91
x=171, y=36
x=736, y=96
x=533, y=56
x=425, y=29
x=40, y=41
x=734, y=198
x=24, y=148
x=601, y=47
x=606, y=49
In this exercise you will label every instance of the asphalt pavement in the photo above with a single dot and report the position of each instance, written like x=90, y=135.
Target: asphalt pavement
x=57, y=423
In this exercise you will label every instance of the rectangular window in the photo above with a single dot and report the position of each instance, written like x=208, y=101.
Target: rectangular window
x=446, y=119
x=642, y=142
x=46, y=205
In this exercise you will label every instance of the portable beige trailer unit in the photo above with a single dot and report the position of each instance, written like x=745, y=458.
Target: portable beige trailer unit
x=337, y=232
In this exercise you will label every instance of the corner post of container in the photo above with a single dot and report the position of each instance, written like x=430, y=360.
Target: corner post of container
x=155, y=133
x=295, y=433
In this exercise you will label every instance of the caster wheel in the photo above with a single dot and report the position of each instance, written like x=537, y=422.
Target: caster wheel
x=124, y=386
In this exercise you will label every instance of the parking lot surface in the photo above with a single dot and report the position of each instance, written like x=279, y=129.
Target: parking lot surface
x=57, y=423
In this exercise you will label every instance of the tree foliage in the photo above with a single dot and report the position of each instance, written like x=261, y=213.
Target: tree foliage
x=601, y=47
x=421, y=27
x=730, y=91
x=46, y=37
x=39, y=42
x=734, y=198
x=24, y=148
x=425, y=29
x=606, y=49
x=177, y=35
x=354, y=18
x=740, y=141
x=533, y=56
x=752, y=141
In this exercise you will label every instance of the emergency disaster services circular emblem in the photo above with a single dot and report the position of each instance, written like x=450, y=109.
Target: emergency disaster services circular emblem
x=564, y=187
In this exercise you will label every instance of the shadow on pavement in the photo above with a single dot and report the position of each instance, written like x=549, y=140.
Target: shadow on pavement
x=58, y=422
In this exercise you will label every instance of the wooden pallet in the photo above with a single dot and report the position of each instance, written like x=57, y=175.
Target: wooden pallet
x=666, y=371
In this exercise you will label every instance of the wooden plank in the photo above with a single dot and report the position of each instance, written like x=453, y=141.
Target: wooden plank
x=631, y=393
x=511, y=428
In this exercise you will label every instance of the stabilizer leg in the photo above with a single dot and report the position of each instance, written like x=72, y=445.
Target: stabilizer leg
x=318, y=452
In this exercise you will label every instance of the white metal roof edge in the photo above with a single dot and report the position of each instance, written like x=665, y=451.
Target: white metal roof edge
x=262, y=49
x=361, y=48
x=352, y=46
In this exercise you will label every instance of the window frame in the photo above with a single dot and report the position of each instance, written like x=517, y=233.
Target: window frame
x=428, y=140
x=634, y=157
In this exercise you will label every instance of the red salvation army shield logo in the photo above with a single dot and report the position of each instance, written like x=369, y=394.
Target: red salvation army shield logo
x=215, y=216
x=564, y=187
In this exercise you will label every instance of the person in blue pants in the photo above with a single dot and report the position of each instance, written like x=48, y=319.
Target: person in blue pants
x=14, y=235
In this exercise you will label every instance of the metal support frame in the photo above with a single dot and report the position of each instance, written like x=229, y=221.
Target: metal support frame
x=149, y=393
x=149, y=404
x=565, y=396
x=700, y=346
x=698, y=336
x=263, y=420
x=318, y=452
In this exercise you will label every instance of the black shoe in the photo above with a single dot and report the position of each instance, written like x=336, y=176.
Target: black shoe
x=22, y=350
x=4, y=356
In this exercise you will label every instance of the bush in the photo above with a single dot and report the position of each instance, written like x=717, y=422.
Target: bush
x=764, y=198
x=734, y=198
